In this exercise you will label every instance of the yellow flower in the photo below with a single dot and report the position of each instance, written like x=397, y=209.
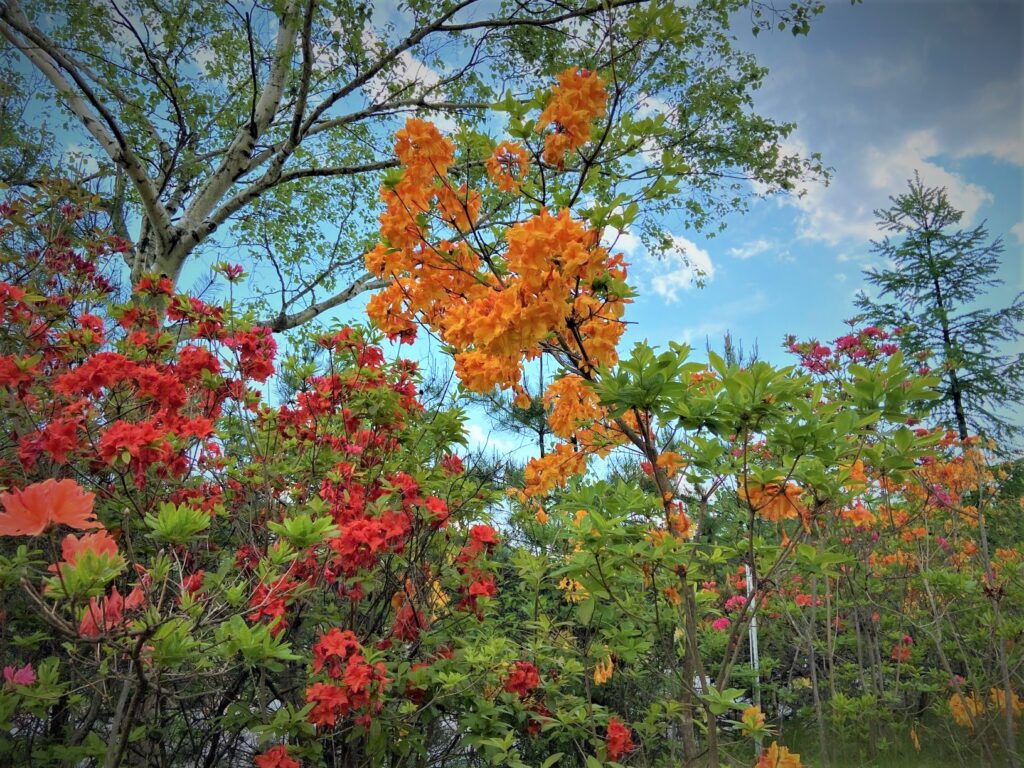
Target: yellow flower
x=603, y=671
x=753, y=720
x=574, y=591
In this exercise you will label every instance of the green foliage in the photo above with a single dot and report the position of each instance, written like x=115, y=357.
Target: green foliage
x=177, y=523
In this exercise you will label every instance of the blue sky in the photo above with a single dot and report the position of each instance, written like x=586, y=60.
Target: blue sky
x=880, y=89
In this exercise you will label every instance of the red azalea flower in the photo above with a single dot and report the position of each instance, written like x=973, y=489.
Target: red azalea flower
x=523, y=679
x=620, y=739
x=276, y=757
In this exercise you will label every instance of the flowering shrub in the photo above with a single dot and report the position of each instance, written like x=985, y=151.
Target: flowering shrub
x=192, y=569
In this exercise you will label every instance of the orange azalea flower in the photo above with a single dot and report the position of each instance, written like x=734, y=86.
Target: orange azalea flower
x=998, y=698
x=554, y=469
x=858, y=477
x=860, y=516
x=575, y=102
x=679, y=522
x=775, y=503
x=966, y=709
x=99, y=543
x=30, y=511
x=508, y=165
x=671, y=462
x=573, y=591
x=603, y=671
x=572, y=405
x=778, y=757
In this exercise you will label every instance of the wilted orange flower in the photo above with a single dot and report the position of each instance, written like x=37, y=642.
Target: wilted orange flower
x=603, y=671
x=573, y=591
x=778, y=757
x=30, y=511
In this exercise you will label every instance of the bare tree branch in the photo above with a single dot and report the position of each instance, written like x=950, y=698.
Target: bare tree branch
x=284, y=322
x=47, y=58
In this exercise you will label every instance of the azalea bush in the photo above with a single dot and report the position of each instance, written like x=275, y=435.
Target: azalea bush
x=192, y=572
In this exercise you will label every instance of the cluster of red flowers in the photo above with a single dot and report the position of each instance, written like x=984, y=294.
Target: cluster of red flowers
x=176, y=395
x=619, y=739
x=276, y=757
x=482, y=541
x=522, y=679
x=356, y=685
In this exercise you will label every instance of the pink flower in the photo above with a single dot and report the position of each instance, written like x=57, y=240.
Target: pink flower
x=735, y=603
x=24, y=676
x=720, y=625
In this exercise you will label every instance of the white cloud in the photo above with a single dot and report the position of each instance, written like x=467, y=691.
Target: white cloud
x=753, y=248
x=682, y=268
x=1018, y=231
x=626, y=242
x=697, y=334
x=844, y=211
x=889, y=170
x=991, y=126
x=734, y=311
x=478, y=437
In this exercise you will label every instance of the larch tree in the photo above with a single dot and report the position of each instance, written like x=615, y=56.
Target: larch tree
x=936, y=292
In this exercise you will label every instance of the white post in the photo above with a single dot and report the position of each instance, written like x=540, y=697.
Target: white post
x=755, y=661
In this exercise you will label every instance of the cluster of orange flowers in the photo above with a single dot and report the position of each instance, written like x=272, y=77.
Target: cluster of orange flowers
x=575, y=102
x=508, y=165
x=547, y=282
x=778, y=757
x=775, y=502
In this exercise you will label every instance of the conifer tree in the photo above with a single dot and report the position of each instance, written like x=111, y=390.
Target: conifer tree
x=936, y=290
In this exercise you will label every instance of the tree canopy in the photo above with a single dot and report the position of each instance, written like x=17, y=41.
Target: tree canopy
x=269, y=126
